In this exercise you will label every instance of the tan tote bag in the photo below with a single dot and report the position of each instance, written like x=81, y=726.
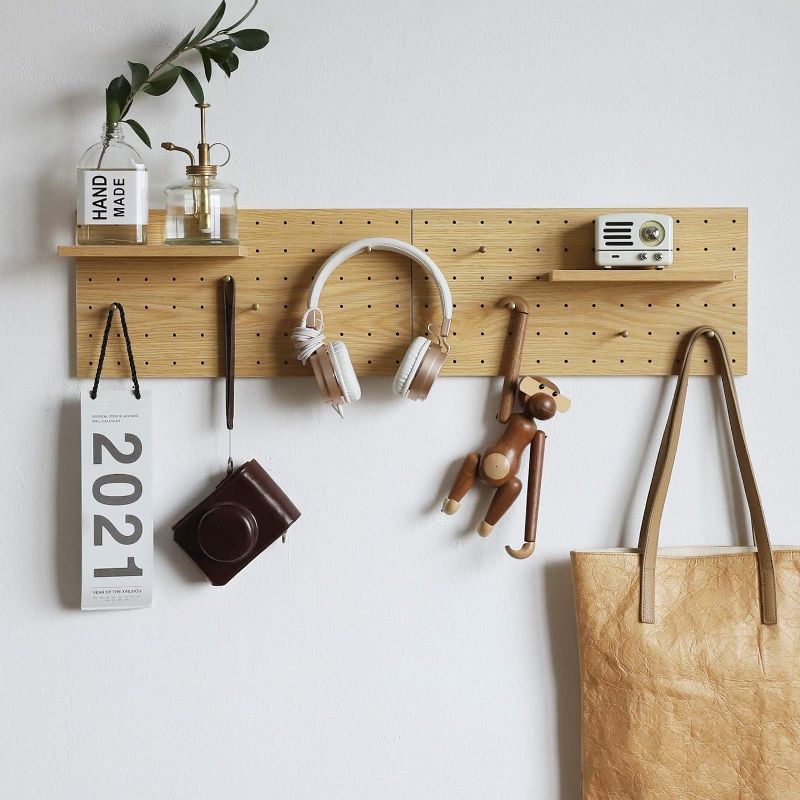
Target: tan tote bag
x=690, y=657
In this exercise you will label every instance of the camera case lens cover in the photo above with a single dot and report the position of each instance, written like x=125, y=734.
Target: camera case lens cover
x=243, y=516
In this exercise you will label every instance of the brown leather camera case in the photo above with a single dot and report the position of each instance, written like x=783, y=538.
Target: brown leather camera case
x=243, y=516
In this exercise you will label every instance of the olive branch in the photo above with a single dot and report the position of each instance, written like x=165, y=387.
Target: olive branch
x=214, y=46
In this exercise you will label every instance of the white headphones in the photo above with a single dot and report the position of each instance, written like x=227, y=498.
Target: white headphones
x=331, y=362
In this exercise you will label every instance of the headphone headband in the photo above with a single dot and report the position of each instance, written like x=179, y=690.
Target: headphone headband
x=393, y=246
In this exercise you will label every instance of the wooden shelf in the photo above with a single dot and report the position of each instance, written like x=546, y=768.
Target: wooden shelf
x=153, y=251
x=631, y=275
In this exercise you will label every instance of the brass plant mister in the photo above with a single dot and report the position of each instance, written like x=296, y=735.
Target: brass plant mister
x=201, y=209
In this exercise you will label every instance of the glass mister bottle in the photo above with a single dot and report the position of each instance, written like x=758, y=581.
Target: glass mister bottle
x=201, y=209
x=112, y=192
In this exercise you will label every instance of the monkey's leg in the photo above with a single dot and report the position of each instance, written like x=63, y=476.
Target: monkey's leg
x=501, y=502
x=465, y=480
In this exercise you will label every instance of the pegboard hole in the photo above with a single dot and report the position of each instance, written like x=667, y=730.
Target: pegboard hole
x=118, y=280
x=285, y=250
x=174, y=279
x=483, y=277
x=482, y=306
x=482, y=361
x=706, y=249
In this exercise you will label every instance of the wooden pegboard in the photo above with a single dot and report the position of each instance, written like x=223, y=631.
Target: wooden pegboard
x=377, y=302
x=574, y=328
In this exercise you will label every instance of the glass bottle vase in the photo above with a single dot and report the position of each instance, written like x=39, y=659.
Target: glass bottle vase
x=112, y=192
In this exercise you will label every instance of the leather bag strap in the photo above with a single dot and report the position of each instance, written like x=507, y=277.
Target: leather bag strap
x=654, y=508
x=229, y=324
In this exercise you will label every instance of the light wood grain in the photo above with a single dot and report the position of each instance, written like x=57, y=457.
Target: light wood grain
x=575, y=326
x=620, y=275
x=152, y=251
x=372, y=303
x=172, y=304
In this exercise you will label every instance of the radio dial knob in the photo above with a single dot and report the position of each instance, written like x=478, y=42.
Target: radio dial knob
x=651, y=233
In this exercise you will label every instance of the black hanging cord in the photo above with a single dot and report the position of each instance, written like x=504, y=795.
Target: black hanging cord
x=116, y=307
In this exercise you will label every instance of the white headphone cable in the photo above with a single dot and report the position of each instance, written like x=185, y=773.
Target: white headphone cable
x=308, y=340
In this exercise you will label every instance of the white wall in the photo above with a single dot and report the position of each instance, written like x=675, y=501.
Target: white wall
x=384, y=653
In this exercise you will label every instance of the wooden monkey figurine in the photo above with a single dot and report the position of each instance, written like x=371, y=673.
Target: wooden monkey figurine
x=499, y=465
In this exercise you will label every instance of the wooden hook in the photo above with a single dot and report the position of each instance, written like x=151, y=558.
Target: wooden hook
x=519, y=309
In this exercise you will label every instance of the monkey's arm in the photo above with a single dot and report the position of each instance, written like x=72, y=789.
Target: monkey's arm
x=535, y=465
x=465, y=480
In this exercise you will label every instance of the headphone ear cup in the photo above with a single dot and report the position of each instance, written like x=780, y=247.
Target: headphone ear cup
x=410, y=364
x=344, y=372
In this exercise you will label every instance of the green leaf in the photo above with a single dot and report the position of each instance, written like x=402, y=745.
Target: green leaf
x=240, y=21
x=120, y=90
x=221, y=49
x=251, y=39
x=219, y=52
x=232, y=63
x=139, y=74
x=192, y=84
x=139, y=131
x=113, y=111
x=163, y=83
x=206, y=63
x=216, y=18
x=180, y=47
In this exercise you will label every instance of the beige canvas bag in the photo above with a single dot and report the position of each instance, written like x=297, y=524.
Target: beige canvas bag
x=690, y=657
